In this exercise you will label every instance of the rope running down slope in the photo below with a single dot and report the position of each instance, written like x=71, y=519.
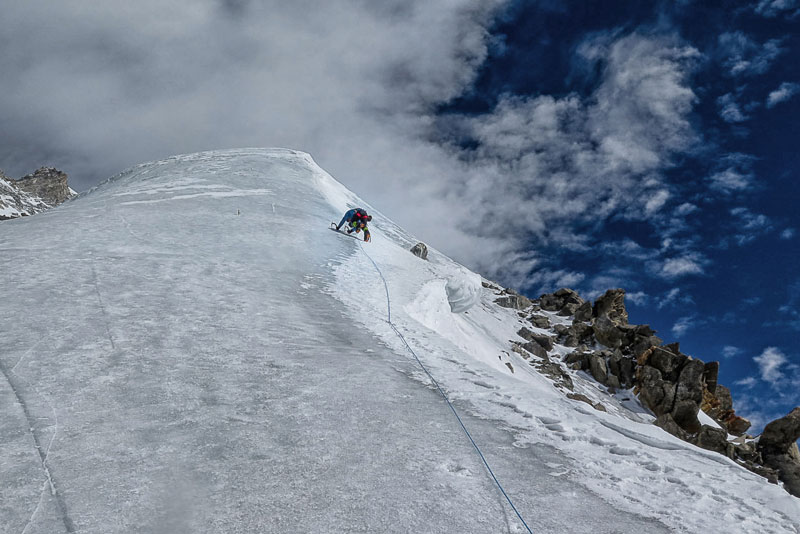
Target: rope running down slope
x=444, y=395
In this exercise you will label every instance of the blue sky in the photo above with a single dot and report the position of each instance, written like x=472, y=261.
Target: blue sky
x=729, y=287
x=643, y=145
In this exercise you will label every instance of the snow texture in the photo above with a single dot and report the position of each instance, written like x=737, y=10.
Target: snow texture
x=463, y=291
x=189, y=349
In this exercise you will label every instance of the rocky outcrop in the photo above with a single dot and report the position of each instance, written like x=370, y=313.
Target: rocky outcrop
x=420, y=250
x=34, y=193
x=719, y=405
x=612, y=305
x=546, y=342
x=47, y=183
x=671, y=384
x=575, y=334
x=565, y=302
x=778, y=448
x=511, y=299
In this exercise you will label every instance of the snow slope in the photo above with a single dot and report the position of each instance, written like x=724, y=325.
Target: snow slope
x=188, y=348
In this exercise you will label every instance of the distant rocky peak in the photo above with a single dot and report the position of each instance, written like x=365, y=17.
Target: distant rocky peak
x=47, y=183
x=43, y=189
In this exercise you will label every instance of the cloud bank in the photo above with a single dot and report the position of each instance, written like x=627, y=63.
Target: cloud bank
x=505, y=191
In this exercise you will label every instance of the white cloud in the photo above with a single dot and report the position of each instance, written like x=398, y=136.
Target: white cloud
x=656, y=202
x=782, y=94
x=734, y=173
x=742, y=56
x=788, y=233
x=773, y=8
x=200, y=75
x=747, y=382
x=731, y=180
x=729, y=109
x=748, y=225
x=675, y=297
x=769, y=364
x=681, y=266
x=639, y=298
x=670, y=297
x=683, y=325
x=729, y=351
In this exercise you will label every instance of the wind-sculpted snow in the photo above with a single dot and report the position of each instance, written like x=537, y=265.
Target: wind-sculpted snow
x=187, y=348
x=463, y=291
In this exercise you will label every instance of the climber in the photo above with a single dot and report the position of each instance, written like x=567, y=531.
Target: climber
x=358, y=225
x=356, y=214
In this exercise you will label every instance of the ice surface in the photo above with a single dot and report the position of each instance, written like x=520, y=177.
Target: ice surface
x=187, y=348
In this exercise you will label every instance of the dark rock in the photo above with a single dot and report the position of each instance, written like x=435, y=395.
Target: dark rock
x=747, y=451
x=554, y=371
x=607, y=333
x=667, y=362
x=597, y=366
x=778, y=448
x=517, y=302
x=539, y=321
x=564, y=301
x=689, y=395
x=420, y=250
x=561, y=329
x=517, y=347
x=612, y=305
x=713, y=439
x=735, y=424
x=710, y=375
x=621, y=367
x=684, y=412
x=584, y=312
x=690, y=382
x=568, y=309
x=613, y=383
x=580, y=358
x=644, y=330
x=724, y=395
x=613, y=360
x=534, y=348
x=666, y=422
x=657, y=394
x=575, y=334
x=545, y=341
x=643, y=343
x=626, y=372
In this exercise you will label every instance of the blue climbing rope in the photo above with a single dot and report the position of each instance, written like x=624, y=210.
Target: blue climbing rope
x=444, y=395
